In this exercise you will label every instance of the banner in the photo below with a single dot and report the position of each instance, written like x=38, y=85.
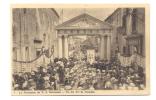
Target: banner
x=91, y=55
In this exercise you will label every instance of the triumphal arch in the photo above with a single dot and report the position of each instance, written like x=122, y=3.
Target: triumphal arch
x=84, y=24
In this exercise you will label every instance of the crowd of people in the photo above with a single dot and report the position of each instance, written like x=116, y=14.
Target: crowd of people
x=72, y=74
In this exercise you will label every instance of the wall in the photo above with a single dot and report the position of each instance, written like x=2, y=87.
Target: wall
x=122, y=20
x=32, y=24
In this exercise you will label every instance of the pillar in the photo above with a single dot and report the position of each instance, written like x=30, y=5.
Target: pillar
x=60, y=46
x=102, y=51
x=99, y=44
x=66, y=46
x=108, y=48
x=129, y=23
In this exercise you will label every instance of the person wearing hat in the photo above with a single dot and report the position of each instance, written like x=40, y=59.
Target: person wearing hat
x=108, y=84
x=123, y=86
x=52, y=82
x=46, y=83
x=132, y=86
x=20, y=81
x=61, y=73
x=141, y=87
x=25, y=85
x=31, y=84
x=40, y=82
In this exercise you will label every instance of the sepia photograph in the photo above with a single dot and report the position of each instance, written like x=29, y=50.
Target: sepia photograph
x=85, y=49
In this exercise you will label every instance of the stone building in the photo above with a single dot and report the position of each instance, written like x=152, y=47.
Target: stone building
x=33, y=31
x=129, y=31
x=85, y=25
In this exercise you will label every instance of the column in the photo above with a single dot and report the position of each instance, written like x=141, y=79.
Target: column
x=108, y=48
x=66, y=46
x=99, y=46
x=60, y=46
x=102, y=48
x=129, y=23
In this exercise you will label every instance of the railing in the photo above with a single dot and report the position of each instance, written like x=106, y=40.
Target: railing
x=28, y=66
x=135, y=58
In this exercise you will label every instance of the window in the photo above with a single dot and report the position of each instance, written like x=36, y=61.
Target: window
x=38, y=52
x=134, y=21
x=117, y=39
x=14, y=53
x=26, y=53
x=14, y=36
x=127, y=11
x=14, y=33
x=124, y=21
x=24, y=10
x=124, y=50
x=26, y=39
x=124, y=26
x=44, y=37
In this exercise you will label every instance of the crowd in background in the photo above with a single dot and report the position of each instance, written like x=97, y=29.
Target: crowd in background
x=63, y=74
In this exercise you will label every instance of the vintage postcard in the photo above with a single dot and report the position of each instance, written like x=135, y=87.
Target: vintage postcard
x=80, y=49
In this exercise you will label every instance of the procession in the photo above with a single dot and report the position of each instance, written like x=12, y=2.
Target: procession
x=55, y=51
x=79, y=75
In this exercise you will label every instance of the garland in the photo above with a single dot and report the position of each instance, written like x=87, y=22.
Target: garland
x=43, y=53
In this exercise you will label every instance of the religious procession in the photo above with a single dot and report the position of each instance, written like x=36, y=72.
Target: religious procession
x=70, y=74
x=80, y=51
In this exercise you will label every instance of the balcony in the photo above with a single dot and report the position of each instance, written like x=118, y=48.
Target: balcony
x=37, y=40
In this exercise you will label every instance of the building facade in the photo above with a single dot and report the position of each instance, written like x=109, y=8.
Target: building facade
x=87, y=25
x=33, y=31
x=129, y=31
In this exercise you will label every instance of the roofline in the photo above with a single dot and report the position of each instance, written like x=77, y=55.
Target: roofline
x=84, y=14
x=112, y=14
x=64, y=28
x=55, y=12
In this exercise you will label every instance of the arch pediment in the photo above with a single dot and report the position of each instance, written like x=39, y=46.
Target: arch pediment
x=84, y=21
